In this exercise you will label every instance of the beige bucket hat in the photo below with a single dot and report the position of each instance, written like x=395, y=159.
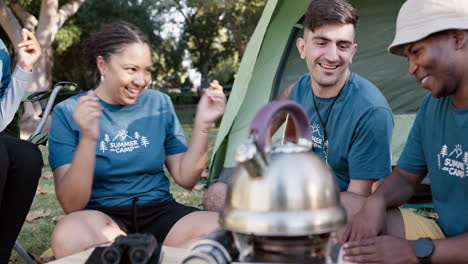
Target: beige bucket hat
x=418, y=19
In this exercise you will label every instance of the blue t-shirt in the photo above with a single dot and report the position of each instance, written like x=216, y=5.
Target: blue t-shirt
x=131, y=149
x=438, y=145
x=359, y=129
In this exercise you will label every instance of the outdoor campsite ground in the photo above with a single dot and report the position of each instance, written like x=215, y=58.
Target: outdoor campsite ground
x=35, y=235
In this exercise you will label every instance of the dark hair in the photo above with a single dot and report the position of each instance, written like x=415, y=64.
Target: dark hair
x=108, y=40
x=325, y=12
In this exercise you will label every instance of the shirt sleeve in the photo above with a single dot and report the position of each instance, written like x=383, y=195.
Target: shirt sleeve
x=175, y=141
x=63, y=137
x=12, y=88
x=412, y=158
x=370, y=152
x=12, y=96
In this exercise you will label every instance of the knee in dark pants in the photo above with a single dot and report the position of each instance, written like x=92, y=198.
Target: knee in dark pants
x=21, y=150
x=25, y=156
x=30, y=153
x=33, y=157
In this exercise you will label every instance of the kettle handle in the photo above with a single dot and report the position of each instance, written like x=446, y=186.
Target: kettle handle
x=259, y=128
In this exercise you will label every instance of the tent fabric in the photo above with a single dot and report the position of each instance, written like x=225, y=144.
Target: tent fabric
x=272, y=62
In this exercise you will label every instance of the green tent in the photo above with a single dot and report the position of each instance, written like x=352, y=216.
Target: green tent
x=271, y=62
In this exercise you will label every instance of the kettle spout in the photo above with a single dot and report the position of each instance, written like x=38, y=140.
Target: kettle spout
x=256, y=166
x=252, y=160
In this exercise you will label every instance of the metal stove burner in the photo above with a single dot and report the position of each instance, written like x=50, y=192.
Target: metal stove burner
x=224, y=247
x=304, y=249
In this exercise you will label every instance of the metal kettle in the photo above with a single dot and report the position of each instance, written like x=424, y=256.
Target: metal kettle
x=281, y=189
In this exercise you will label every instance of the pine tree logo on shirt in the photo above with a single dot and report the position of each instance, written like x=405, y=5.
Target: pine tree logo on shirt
x=453, y=160
x=123, y=142
x=465, y=160
x=317, y=138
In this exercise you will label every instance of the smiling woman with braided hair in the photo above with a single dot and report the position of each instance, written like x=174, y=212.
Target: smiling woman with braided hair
x=108, y=148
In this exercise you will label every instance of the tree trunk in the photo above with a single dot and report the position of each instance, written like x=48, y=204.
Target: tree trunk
x=10, y=24
x=51, y=19
x=236, y=34
x=203, y=81
x=42, y=79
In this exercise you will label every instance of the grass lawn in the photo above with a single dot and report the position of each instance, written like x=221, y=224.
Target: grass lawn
x=35, y=234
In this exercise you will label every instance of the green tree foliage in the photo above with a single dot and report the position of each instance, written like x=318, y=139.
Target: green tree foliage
x=215, y=33
x=201, y=35
x=67, y=37
x=240, y=19
x=144, y=14
x=210, y=36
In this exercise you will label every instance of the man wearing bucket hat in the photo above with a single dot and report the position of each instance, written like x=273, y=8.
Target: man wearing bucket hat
x=433, y=35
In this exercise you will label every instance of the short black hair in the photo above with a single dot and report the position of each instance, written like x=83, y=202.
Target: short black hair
x=325, y=12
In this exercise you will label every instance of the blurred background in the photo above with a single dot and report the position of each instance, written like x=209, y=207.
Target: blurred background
x=193, y=41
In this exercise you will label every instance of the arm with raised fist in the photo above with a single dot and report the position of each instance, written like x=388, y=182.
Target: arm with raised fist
x=14, y=86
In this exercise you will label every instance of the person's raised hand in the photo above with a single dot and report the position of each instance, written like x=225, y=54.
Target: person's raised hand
x=29, y=50
x=211, y=106
x=87, y=113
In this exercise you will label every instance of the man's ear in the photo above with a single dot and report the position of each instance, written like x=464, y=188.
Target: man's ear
x=460, y=38
x=300, y=44
x=355, y=47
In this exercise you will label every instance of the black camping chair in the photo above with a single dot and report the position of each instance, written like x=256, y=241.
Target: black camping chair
x=60, y=92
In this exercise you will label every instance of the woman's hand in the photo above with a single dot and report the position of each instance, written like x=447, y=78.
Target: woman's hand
x=29, y=50
x=87, y=114
x=211, y=105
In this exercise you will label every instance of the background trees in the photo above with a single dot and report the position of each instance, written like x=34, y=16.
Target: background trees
x=215, y=34
x=205, y=36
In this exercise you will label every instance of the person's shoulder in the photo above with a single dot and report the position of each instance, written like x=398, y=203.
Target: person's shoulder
x=68, y=105
x=361, y=82
x=303, y=79
x=426, y=111
x=428, y=99
x=155, y=97
x=430, y=103
x=155, y=93
x=367, y=92
x=152, y=94
x=302, y=83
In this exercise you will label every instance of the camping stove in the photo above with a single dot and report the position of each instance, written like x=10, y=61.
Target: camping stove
x=282, y=204
x=223, y=247
x=312, y=249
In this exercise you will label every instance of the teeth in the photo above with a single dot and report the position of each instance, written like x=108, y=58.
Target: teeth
x=331, y=67
x=424, y=79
